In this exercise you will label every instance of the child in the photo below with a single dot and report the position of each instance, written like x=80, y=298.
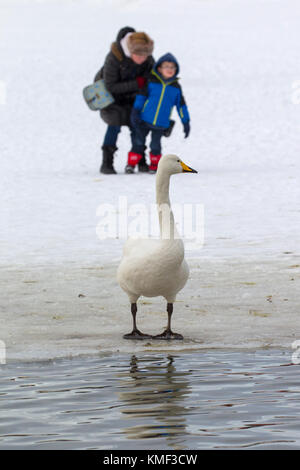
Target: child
x=152, y=109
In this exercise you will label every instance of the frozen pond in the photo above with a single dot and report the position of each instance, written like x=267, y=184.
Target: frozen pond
x=70, y=310
x=210, y=399
x=70, y=380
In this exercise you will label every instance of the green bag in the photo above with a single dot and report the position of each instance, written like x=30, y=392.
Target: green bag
x=96, y=96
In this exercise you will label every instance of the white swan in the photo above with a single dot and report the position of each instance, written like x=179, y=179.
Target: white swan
x=151, y=267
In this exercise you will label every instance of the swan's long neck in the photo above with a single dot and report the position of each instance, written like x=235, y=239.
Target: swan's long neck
x=167, y=225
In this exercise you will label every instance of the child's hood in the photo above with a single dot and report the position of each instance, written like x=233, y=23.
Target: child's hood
x=167, y=58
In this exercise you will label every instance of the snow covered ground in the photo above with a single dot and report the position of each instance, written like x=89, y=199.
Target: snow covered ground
x=239, y=71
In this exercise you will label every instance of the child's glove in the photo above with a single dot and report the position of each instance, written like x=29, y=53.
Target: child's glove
x=186, y=129
x=135, y=117
x=141, y=81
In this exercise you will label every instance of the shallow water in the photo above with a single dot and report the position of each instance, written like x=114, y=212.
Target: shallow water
x=208, y=399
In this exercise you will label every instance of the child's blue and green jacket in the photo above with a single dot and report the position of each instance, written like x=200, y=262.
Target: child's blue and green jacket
x=156, y=101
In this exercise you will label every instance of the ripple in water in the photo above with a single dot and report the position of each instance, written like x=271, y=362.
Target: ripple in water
x=205, y=400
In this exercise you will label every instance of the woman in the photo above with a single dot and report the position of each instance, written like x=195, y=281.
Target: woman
x=125, y=72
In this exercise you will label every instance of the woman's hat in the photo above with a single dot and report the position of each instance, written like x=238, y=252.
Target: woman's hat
x=140, y=44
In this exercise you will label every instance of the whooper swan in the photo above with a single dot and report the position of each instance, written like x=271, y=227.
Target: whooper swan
x=156, y=267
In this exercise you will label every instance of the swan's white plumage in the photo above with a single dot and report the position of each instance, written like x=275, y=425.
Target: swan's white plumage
x=151, y=267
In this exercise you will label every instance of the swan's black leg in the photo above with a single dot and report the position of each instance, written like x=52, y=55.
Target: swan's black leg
x=135, y=334
x=168, y=333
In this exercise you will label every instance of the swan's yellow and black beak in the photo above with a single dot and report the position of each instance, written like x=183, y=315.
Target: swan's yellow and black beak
x=187, y=169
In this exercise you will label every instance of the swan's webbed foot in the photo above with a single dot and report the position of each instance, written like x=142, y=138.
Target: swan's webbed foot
x=136, y=334
x=168, y=334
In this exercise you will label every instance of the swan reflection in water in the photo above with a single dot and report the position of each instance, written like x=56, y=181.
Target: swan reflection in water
x=152, y=392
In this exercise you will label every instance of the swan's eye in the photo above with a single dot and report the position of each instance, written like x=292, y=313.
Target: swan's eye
x=178, y=161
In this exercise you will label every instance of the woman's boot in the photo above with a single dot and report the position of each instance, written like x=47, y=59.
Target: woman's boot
x=143, y=166
x=108, y=159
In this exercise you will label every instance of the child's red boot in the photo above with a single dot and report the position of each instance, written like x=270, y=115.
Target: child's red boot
x=133, y=159
x=154, y=159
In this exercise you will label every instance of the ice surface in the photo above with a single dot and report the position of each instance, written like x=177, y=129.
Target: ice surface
x=69, y=311
x=239, y=64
